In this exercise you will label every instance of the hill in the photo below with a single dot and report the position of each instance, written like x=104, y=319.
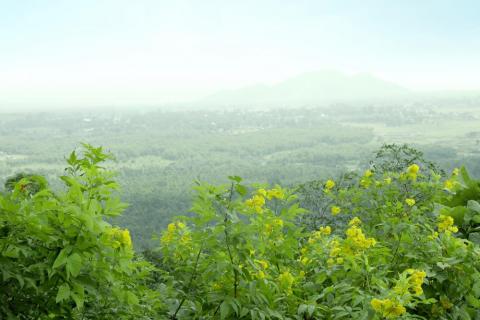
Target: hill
x=311, y=88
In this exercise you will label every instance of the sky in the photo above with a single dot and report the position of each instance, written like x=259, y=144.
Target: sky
x=121, y=52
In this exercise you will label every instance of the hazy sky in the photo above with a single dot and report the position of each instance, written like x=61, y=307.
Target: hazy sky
x=80, y=52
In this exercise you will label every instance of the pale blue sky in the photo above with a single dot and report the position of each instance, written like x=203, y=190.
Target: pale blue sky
x=55, y=52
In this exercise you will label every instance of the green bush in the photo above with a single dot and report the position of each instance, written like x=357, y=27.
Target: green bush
x=60, y=258
x=242, y=256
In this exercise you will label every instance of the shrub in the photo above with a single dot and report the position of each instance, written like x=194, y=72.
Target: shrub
x=60, y=258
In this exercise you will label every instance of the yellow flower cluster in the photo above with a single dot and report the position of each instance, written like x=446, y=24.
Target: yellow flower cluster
x=355, y=243
x=410, y=202
x=317, y=235
x=335, y=250
x=329, y=185
x=366, y=181
x=275, y=193
x=358, y=240
x=412, y=171
x=416, y=280
x=174, y=229
x=355, y=222
x=410, y=282
x=445, y=224
x=119, y=237
x=388, y=308
x=256, y=202
x=286, y=280
x=335, y=210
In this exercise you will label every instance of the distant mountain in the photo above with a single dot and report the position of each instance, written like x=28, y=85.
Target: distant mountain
x=311, y=88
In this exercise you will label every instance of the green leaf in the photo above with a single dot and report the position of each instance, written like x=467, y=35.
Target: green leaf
x=235, y=178
x=242, y=190
x=74, y=264
x=61, y=258
x=114, y=207
x=11, y=252
x=474, y=205
x=131, y=298
x=474, y=237
x=78, y=295
x=225, y=310
x=63, y=293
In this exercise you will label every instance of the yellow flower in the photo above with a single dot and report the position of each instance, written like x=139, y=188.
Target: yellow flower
x=448, y=185
x=388, y=308
x=260, y=275
x=336, y=249
x=304, y=260
x=326, y=230
x=416, y=280
x=262, y=192
x=335, y=210
x=286, y=281
x=368, y=173
x=445, y=224
x=126, y=239
x=410, y=202
x=174, y=229
x=355, y=222
x=358, y=239
x=276, y=193
x=455, y=172
x=433, y=236
x=262, y=263
x=413, y=169
x=376, y=304
x=181, y=225
x=388, y=180
x=277, y=222
x=329, y=184
x=171, y=227
x=256, y=202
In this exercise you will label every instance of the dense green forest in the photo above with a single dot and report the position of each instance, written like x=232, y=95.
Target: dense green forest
x=159, y=154
x=399, y=240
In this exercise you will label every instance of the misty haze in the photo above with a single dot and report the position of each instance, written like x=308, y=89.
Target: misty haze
x=239, y=160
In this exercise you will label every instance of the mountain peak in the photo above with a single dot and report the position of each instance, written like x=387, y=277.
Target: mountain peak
x=318, y=87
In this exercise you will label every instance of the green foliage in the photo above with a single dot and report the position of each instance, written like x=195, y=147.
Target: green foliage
x=242, y=255
x=395, y=158
x=59, y=257
x=390, y=244
x=26, y=183
x=462, y=203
